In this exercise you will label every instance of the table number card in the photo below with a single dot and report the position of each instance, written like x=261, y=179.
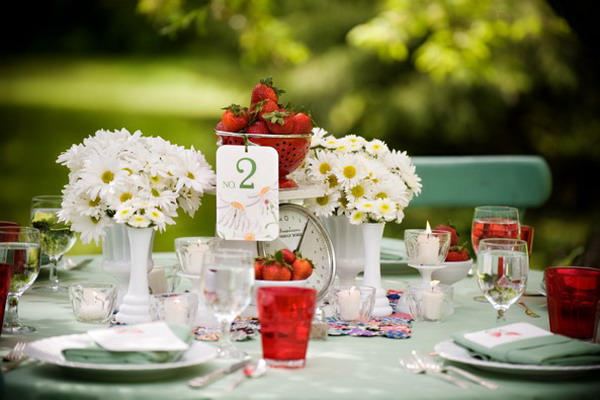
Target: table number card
x=247, y=193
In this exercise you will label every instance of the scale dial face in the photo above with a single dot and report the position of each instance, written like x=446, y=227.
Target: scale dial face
x=300, y=230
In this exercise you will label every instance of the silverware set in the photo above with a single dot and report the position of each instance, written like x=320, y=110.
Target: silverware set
x=14, y=357
x=420, y=363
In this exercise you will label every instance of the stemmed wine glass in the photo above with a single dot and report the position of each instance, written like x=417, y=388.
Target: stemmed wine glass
x=502, y=270
x=57, y=238
x=494, y=222
x=20, y=252
x=228, y=277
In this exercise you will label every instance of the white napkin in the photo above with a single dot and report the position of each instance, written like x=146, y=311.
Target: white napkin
x=153, y=336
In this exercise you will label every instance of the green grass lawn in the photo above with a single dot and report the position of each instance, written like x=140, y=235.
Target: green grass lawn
x=48, y=104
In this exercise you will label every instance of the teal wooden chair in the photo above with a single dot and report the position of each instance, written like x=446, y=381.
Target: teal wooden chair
x=522, y=181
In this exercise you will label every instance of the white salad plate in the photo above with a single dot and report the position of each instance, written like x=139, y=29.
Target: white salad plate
x=49, y=351
x=451, y=351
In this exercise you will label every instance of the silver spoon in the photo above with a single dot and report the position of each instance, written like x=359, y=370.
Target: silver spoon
x=252, y=370
x=413, y=366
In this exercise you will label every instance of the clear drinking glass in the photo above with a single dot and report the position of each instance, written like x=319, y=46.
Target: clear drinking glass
x=228, y=278
x=494, y=222
x=502, y=270
x=56, y=237
x=20, y=252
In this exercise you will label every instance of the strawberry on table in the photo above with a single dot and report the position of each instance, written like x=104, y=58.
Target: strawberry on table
x=281, y=121
x=235, y=118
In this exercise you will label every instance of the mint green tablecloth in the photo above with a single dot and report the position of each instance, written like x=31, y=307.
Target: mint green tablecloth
x=339, y=368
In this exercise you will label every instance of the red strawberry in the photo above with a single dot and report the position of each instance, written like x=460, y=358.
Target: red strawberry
x=281, y=121
x=235, y=118
x=258, y=127
x=302, y=124
x=288, y=256
x=276, y=271
x=302, y=268
x=453, y=234
x=458, y=253
x=264, y=107
x=265, y=90
x=220, y=126
x=258, y=265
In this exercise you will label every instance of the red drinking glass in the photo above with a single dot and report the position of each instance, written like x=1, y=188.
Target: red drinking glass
x=4, y=285
x=285, y=314
x=527, y=235
x=572, y=294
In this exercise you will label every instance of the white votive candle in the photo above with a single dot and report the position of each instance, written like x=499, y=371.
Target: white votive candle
x=433, y=302
x=349, y=304
x=176, y=310
x=428, y=247
x=91, y=312
x=195, y=255
x=157, y=280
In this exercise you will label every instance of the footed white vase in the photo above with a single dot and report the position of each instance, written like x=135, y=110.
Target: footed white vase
x=135, y=306
x=348, y=248
x=372, y=234
x=116, y=257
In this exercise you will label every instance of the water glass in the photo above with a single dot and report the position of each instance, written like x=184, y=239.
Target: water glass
x=227, y=280
x=572, y=294
x=190, y=252
x=176, y=308
x=502, y=271
x=353, y=303
x=20, y=254
x=285, y=315
x=93, y=302
x=494, y=222
x=429, y=303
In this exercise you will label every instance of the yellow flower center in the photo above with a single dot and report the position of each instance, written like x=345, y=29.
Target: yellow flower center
x=107, y=177
x=190, y=175
x=323, y=200
x=333, y=181
x=324, y=168
x=155, y=192
x=357, y=191
x=94, y=203
x=358, y=216
x=125, y=196
x=381, y=195
x=349, y=172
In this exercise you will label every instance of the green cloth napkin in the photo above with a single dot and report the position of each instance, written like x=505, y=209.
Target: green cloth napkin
x=392, y=249
x=544, y=350
x=98, y=355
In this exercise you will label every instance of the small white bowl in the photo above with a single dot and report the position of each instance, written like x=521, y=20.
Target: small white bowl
x=454, y=272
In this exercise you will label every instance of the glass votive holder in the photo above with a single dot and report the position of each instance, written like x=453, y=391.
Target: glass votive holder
x=163, y=278
x=175, y=308
x=430, y=303
x=190, y=252
x=353, y=303
x=426, y=247
x=93, y=302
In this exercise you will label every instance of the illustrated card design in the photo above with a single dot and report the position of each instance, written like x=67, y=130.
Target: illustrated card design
x=506, y=334
x=247, y=193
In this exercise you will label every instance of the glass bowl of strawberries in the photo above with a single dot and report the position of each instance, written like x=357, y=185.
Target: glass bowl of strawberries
x=458, y=260
x=266, y=122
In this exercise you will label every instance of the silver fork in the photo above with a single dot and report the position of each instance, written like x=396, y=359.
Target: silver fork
x=414, y=366
x=431, y=364
x=15, y=356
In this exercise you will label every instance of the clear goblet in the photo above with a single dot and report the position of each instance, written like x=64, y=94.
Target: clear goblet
x=56, y=236
x=228, y=277
x=502, y=270
x=494, y=222
x=20, y=253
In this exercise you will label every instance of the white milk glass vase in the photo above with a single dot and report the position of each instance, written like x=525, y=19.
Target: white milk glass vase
x=135, y=306
x=372, y=235
x=348, y=247
x=116, y=257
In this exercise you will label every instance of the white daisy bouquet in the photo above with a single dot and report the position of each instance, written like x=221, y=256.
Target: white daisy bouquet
x=131, y=179
x=364, y=180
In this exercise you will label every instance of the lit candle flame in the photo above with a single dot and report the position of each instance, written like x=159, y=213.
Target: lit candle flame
x=434, y=284
x=428, y=228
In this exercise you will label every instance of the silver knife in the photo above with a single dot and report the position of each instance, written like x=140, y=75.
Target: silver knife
x=204, y=380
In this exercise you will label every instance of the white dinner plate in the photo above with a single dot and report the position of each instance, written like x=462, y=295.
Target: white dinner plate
x=49, y=351
x=451, y=351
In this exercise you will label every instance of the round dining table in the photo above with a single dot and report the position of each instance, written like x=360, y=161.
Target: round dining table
x=339, y=367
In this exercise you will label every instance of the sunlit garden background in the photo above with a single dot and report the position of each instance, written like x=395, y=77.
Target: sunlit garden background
x=432, y=77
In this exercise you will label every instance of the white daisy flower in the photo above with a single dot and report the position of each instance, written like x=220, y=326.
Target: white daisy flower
x=365, y=205
x=325, y=205
x=318, y=135
x=352, y=142
x=321, y=165
x=102, y=174
x=349, y=170
x=89, y=228
x=330, y=142
x=385, y=209
x=376, y=147
x=139, y=221
x=357, y=217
